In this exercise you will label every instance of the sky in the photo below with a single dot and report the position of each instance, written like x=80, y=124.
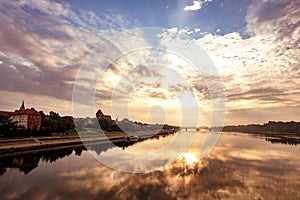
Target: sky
x=50, y=50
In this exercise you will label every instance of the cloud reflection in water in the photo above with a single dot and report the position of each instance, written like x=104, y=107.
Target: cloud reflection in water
x=240, y=167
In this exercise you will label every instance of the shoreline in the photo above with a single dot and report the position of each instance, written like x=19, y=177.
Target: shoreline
x=267, y=134
x=10, y=147
x=17, y=146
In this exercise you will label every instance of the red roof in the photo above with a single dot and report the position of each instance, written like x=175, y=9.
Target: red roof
x=6, y=113
x=31, y=111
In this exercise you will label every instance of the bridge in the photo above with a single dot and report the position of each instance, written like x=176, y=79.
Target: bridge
x=186, y=128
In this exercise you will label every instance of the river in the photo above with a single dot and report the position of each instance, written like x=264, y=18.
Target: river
x=241, y=166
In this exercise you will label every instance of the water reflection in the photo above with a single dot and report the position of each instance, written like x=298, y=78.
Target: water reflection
x=26, y=163
x=287, y=141
x=190, y=158
x=29, y=161
x=239, y=167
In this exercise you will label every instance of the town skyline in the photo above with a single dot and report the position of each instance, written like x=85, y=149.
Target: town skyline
x=113, y=118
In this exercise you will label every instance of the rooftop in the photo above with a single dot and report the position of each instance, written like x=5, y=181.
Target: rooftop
x=27, y=111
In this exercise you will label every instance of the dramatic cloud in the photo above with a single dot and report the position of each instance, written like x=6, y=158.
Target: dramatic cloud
x=43, y=43
x=136, y=85
x=262, y=71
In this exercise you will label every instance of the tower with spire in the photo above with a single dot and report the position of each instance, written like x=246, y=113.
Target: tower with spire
x=22, y=106
x=27, y=118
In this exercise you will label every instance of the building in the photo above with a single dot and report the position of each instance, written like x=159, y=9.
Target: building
x=27, y=118
x=100, y=115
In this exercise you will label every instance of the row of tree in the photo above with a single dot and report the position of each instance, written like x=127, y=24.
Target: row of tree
x=55, y=124
x=7, y=126
x=118, y=126
x=270, y=127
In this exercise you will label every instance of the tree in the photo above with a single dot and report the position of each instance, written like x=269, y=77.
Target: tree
x=105, y=124
x=56, y=124
x=7, y=126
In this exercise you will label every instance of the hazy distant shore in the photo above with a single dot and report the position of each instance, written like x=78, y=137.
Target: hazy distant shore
x=272, y=128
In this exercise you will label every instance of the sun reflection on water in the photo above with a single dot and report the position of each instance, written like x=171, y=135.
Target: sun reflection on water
x=190, y=158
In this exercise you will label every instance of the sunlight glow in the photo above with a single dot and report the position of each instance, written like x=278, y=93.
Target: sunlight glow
x=190, y=158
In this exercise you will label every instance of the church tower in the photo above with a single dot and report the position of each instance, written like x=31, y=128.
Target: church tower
x=22, y=106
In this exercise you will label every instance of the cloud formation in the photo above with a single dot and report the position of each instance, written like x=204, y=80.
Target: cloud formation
x=261, y=71
x=43, y=44
x=197, y=5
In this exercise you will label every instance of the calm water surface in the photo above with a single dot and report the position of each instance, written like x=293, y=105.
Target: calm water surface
x=241, y=166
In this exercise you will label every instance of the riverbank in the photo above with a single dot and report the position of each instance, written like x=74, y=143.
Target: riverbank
x=268, y=134
x=22, y=145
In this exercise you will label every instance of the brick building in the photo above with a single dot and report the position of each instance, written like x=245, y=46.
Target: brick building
x=100, y=115
x=27, y=118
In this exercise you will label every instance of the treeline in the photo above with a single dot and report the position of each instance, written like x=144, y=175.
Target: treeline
x=53, y=123
x=127, y=125
x=270, y=127
x=107, y=125
x=7, y=126
x=120, y=126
